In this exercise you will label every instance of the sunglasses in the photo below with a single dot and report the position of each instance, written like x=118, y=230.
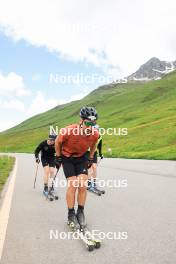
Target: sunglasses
x=89, y=123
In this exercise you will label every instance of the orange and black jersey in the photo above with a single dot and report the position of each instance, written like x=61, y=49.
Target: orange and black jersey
x=76, y=145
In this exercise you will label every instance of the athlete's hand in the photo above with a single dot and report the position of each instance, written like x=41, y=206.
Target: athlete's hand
x=37, y=160
x=90, y=162
x=101, y=156
x=58, y=161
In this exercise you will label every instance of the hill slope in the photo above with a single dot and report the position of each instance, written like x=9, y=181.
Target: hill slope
x=148, y=111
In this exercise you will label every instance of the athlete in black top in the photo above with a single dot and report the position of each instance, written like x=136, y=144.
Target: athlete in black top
x=92, y=173
x=47, y=150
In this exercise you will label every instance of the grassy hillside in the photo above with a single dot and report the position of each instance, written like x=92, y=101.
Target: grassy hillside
x=147, y=110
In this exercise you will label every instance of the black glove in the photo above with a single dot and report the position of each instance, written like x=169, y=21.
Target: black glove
x=101, y=156
x=37, y=160
x=58, y=161
x=90, y=162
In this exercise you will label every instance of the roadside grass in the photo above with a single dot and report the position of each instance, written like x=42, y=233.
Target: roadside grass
x=6, y=165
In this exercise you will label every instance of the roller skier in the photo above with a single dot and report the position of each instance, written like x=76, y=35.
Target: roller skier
x=71, y=152
x=47, y=150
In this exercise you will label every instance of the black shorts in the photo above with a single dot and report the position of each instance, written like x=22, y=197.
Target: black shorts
x=74, y=166
x=48, y=161
x=95, y=158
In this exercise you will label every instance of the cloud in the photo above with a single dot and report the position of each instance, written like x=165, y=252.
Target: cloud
x=7, y=124
x=76, y=97
x=41, y=103
x=12, y=85
x=121, y=34
x=13, y=104
x=36, y=77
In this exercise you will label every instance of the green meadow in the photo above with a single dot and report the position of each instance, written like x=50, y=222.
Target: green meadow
x=147, y=110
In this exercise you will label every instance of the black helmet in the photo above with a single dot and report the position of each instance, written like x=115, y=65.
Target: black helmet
x=52, y=137
x=89, y=113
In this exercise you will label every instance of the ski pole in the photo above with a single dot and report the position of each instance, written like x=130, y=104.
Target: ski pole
x=36, y=174
x=54, y=178
x=56, y=173
x=99, y=161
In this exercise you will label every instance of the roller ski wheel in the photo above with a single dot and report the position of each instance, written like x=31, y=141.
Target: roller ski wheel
x=90, y=245
x=92, y=239
x=55, y=197
x=95, y=191
x=48, y=196
x=97, y=245
x=90, y=248
x=52, y=194
x=101, y=191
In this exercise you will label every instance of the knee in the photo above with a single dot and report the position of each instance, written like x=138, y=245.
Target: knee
x=71, y=191
x=51, y=173
x=94, y=166
x=71, y=188
x=83, y=187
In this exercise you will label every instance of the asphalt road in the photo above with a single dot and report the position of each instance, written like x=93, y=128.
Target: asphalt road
x=144, y=208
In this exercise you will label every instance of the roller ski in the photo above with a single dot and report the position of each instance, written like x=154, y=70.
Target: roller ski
x=83, y=228
x=101, y=191
x=82, y=231
x=94, y=190
x=47, y=194
x=51, y=190
x=90, y=237
x=52, y=193
x=91, y=189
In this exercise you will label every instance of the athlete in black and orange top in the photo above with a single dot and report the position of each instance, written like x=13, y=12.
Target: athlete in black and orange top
x=71, y=147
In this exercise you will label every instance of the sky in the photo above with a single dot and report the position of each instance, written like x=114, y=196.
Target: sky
x=53, y=52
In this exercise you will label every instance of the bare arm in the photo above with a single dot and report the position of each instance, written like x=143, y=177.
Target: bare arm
x=92, y=151
x=99, y=147
x=58, y=147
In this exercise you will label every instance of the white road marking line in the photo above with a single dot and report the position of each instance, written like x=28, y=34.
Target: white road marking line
x=5, y=209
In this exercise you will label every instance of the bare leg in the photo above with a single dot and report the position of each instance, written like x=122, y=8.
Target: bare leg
x=71, y=190
x=94, y=170
x=51, y=176
x=46, y=174
x=82, y=191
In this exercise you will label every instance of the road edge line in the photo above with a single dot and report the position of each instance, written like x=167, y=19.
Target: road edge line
x=6, y=206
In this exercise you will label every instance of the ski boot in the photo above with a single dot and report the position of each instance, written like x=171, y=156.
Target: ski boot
x=46, y=193
x=52, y=192
x=73, y=222
x=81, y=218
x=92, y=189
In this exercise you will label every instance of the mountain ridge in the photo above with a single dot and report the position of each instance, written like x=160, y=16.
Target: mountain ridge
x=153, y=69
